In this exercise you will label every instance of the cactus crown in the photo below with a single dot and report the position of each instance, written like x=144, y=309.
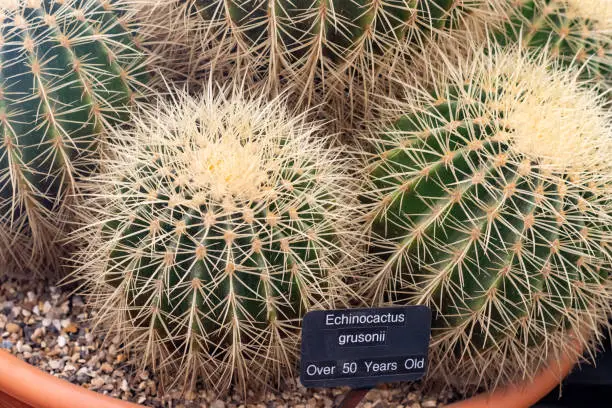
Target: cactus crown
x=598, y=11
x=68, y=71
x=214, y=232
x=561, y=131
x=489, y=204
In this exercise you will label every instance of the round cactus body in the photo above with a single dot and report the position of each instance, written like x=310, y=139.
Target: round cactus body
x=576, y=31
x=68, y=70
x=220, y=227
x=489, y=205
x=335, y=51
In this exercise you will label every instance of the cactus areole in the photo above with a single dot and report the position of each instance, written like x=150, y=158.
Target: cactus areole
x=489, y=206
x=68, y=70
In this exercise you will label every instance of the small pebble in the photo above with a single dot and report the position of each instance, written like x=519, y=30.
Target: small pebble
x=57, y=324
x=37, y=334
x=97, y=382
x=12, y=328
x=61, y=341
x=71, y=328
x=55, y=364
x=429, y=403
x=217, y=404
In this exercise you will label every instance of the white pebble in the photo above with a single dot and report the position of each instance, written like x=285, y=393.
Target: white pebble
x=429, y=403
x=57, y=324
x=55, y=364
x=97, y=382
x=46, y=307
x=217, y=404
x=38, y=333
x=61, y=341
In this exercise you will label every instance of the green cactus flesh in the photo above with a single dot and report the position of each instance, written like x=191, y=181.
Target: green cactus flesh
x=337, y=27
x=507, y=251
x=577, y=31
x=68, y=69
x=321, y=51
x=249, y=256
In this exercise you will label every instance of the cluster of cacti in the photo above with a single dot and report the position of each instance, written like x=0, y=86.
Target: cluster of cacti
x=335, y=52
x=213, y=232
x=68, y=71
x=576, y=31
x=213, y=222
x=488, y=203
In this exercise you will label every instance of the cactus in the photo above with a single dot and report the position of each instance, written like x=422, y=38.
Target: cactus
x=68, y=71
x=339, y=52
x=573, y=30
x=213, y=233
x=488, y=203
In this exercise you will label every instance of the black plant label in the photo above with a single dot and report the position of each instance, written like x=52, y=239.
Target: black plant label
x=364, y=347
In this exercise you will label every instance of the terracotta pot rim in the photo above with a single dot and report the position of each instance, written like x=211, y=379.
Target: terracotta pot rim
x=529, y=392
x=22, y=383
x=24, y=386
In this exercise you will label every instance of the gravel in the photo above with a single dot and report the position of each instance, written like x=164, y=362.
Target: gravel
x=49, y=328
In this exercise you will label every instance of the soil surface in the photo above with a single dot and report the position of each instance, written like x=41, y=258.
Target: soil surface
x=50, y=328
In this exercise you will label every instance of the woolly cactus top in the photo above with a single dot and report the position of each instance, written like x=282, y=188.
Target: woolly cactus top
x=550, y=119
x=599, y=11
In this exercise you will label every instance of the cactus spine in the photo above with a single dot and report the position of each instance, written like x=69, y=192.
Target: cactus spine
x=322, y=51
x=573, y=30
x=68, y=70
x=219, y=227
x=488, y=203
